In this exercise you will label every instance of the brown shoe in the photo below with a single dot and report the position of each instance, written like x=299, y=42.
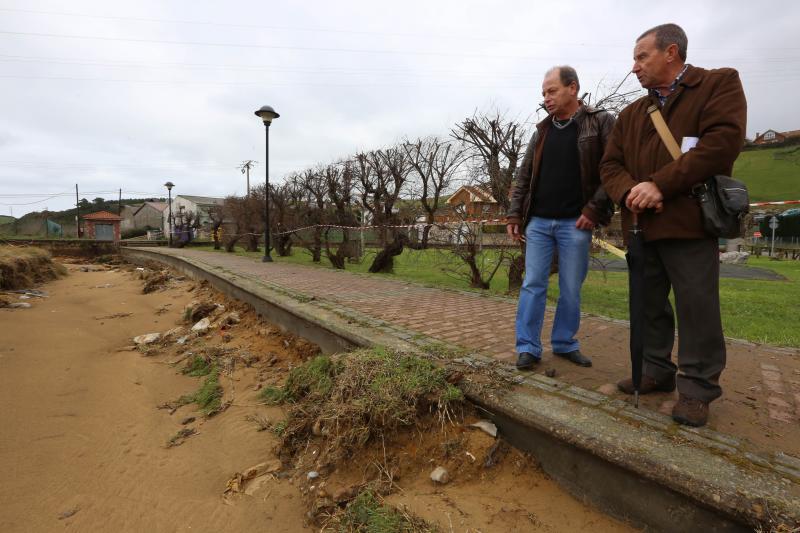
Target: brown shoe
x=648, y=385
x=690, y=412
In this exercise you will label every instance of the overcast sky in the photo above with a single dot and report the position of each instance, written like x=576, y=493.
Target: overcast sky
x=128, y=95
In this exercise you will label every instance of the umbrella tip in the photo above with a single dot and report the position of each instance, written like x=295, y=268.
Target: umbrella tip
x=636, y=399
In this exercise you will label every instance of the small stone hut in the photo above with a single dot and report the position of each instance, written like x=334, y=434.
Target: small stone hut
x=102, y=226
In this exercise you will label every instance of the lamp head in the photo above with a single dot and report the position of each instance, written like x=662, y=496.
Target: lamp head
x=267, y=114
x=169, y=185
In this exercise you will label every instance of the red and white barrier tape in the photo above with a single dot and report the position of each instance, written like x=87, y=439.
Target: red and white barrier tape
x=785, y=202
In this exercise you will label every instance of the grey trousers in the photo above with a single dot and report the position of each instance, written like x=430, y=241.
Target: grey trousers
x=690, y=267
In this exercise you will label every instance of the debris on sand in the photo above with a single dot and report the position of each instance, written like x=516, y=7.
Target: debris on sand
x=69, y=513
x=154, y=281
x=486, y=426
x=197, y=310
x=440, y=475
x=20, y=305
x=202, y=326
x=147, y=338
x=249, y=480
x=180, y=437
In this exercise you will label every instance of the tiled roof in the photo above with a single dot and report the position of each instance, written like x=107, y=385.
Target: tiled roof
x=101, y=215
x=158, y=206
x=203, y=200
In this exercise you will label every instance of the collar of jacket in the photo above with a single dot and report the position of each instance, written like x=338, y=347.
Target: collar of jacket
x=691, y=78
x=580, y=114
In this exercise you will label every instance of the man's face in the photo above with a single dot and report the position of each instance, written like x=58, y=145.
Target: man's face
x=558, y=98
x=650, y=64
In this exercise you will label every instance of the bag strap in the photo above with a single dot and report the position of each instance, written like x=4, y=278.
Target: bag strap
x=663, y=131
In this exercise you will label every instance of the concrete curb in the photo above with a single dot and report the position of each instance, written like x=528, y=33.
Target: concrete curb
x=634, y=464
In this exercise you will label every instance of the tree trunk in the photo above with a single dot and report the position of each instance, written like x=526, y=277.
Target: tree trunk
x=516, y=269
x=384, y=261
x=283, y=245
x=476, y=280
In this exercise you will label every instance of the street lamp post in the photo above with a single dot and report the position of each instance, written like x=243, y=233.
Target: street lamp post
x=267, y=114
x=169, y=185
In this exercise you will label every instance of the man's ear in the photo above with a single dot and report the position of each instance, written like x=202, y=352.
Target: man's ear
x=672, y=52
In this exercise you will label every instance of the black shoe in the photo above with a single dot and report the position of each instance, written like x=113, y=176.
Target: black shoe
x=526, y=361
x=576, y=357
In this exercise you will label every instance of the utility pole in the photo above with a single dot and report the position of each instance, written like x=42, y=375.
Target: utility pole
x=245, y=168
x=77, y=213
x=119, y=203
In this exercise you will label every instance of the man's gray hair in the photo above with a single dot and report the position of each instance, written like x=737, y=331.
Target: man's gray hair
x=567, y=75
x=667, y=34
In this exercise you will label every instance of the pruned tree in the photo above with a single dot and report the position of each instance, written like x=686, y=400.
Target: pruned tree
x=286, y=213
x=339, y=181
x=217, y=216
x=312, y=206
x=477, y=266
x=495, y=144
x=382, y=175
x=244, y=220
x=435, y=163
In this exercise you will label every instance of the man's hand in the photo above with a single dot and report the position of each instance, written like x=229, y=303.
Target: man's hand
x=514, y=233
x=645, y=195
x=584, y=222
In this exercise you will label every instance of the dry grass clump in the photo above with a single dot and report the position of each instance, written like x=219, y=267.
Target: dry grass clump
x=354, y=398
x=23, y=267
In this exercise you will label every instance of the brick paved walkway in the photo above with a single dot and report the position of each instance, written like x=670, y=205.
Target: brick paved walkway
x=761, y=400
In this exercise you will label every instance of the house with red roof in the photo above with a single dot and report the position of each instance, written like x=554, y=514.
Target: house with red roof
x=102, y=226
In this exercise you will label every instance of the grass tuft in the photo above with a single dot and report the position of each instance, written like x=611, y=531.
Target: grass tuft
x=364, y=394
x=208, y=397
x=198, y=366
x=368, y=514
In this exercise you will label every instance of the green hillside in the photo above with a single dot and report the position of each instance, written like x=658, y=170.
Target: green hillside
x=5, y=219
x=770, y=175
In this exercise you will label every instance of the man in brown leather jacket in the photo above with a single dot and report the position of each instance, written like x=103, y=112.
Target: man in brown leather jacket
x=706, y=112
x=556, y=202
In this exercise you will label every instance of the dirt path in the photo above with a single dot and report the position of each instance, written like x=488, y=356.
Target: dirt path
x=83, y=446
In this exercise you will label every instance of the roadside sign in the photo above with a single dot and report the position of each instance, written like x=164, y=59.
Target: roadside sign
x=773, y=223
x=757, y=234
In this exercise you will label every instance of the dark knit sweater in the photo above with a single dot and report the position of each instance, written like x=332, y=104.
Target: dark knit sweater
x=558, y=189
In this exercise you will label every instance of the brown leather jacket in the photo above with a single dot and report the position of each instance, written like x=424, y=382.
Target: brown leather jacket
x=709, y=105
x=594, y=129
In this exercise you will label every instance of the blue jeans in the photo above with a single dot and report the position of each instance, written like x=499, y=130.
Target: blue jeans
x=543, y=236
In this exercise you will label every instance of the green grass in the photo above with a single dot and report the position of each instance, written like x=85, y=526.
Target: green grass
x=198, y=366
x=209, y=396
x=769, y=178
x=367, y=514
x=757, y=311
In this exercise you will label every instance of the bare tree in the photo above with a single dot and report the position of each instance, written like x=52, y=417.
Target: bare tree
x=286, y=213
x=244, y=220
x=339, y=181
x=217, y=216
x=477, y=266
x=382, y=176
x=314, y=189
x=496, y=145
x=435, y=163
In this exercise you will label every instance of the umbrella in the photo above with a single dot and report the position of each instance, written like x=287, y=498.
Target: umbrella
x=635, y=259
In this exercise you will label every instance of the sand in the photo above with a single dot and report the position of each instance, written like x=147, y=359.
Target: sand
x=83, y=446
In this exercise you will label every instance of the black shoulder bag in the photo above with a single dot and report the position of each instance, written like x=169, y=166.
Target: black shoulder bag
x=724, y=201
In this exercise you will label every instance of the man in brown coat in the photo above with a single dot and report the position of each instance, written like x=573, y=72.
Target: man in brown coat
x=706, y=112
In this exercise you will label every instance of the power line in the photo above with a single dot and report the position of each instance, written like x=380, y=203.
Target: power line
x=287, y=47
x=460, y=37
